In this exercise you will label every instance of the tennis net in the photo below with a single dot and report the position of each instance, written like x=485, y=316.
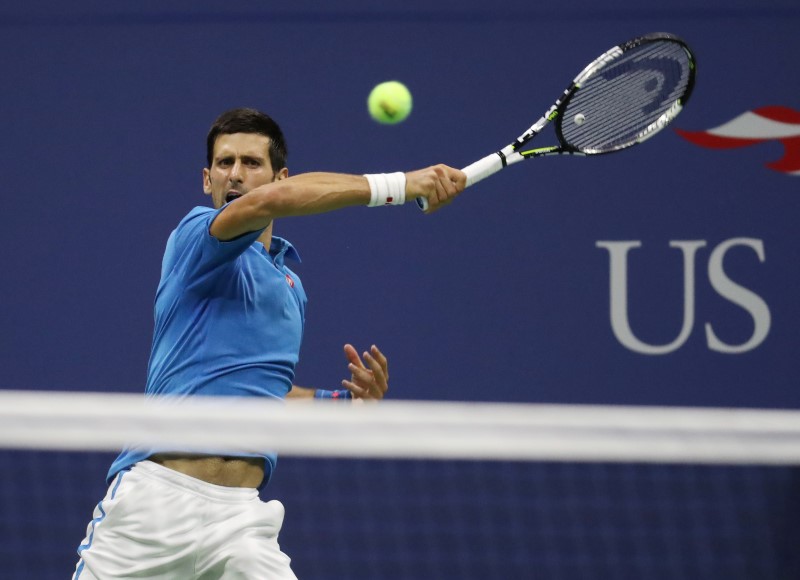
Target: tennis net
x=438, y=490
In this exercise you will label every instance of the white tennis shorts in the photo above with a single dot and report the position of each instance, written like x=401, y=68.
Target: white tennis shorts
x=157, y=523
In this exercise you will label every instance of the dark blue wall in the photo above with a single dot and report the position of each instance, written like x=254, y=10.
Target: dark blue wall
x=503, y=296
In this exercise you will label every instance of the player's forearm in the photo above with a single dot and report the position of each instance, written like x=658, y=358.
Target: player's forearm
x=312, y=193
x=300, y=393
x=307, y=194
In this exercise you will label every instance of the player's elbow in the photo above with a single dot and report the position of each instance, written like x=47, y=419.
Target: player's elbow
x=253, y=211
x=272, y=201
x=292, y=197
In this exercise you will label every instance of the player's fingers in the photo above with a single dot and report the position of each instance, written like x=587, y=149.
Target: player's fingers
x=372, y=382
x=439, y=184
x=459, y=178
x=380, y=376
x=351, y=354
x=379, y=382
x=360, y=374
x=450, y=189
x=457, y=184
x=443, y=186
x=456, y=181
x=449, y=179
x=358, y=392
x=362, y=392
x=382, y=360
x=441, y=192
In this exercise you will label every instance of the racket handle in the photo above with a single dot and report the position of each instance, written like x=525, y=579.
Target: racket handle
x=475, y=172
x=483, y=168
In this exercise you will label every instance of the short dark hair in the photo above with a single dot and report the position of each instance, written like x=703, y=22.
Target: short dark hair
x=245, y=120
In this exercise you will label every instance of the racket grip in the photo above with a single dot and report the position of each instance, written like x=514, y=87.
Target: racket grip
x=475, y=172
x=483, y=168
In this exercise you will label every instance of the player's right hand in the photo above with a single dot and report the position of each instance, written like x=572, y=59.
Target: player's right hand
x=439, y=184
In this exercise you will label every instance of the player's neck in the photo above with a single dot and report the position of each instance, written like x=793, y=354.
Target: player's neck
x=266, y=237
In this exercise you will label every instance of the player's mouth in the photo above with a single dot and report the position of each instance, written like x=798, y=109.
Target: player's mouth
x=232, y=195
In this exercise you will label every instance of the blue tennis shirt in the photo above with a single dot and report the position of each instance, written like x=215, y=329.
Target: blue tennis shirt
x=229, y=321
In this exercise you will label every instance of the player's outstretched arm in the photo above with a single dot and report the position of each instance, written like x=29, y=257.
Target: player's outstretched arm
x=313, y=193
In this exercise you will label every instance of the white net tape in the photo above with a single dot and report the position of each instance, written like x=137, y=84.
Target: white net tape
x=106, y=422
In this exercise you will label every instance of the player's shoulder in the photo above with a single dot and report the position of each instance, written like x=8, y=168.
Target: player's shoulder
x=191, y=227
x=198, y=212
x=196, y=218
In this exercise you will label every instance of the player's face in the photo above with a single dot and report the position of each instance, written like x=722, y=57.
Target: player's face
x=240, y=164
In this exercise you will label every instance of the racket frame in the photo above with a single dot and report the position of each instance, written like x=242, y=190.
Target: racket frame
x=513, y=153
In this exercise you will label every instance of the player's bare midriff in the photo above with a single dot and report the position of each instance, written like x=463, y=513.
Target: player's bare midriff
x=219, y=470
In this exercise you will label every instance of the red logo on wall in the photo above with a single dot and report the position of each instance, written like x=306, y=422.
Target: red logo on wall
x=780, y=124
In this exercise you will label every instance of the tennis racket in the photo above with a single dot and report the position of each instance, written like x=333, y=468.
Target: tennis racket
x=623, y=97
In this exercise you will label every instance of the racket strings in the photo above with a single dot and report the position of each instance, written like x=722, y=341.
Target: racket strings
x=621, y=113
x=616, y=105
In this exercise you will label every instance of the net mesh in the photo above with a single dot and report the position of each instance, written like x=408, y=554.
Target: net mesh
x=629, y=98
x=400, y=517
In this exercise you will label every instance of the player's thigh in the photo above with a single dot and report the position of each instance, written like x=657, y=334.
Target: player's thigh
x=140, y=527
x=255, y=558
x=250, y=548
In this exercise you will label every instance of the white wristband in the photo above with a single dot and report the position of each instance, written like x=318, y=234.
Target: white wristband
x=386, y=188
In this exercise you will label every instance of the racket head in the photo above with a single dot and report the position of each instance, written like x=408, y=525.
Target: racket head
x=627, y=95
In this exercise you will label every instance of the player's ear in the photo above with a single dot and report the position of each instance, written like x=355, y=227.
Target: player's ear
x=282, y=174
x=206, y=181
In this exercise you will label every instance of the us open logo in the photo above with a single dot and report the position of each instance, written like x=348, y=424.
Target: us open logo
x=762, y=125
x=721, y=283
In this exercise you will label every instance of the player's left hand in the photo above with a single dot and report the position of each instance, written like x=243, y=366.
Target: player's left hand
x=369, y=377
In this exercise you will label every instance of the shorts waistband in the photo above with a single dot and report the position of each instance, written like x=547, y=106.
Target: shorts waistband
x=191, y=484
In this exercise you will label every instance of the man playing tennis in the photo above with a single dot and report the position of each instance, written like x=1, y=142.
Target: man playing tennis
x=229, y=318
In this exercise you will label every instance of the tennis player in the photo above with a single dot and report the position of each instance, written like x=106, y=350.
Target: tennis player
x=229, y=316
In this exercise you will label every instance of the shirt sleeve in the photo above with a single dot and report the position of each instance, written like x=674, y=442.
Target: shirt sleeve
x=196, y=253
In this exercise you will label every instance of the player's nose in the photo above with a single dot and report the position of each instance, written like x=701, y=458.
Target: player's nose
x=235, y=174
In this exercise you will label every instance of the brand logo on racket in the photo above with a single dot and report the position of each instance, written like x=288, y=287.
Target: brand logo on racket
x=659, y=79
x=762, y=125
x=661, y=122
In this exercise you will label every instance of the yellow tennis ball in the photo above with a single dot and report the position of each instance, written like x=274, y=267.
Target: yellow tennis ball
x=389, y=102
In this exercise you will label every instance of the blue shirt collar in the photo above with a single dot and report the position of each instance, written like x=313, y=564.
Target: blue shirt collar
x=280, y=248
